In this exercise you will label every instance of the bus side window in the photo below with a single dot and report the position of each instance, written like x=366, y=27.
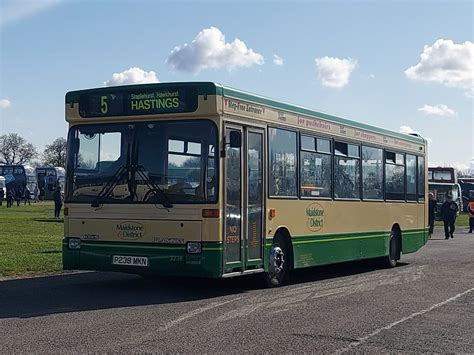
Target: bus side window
x=282, y=163
x=394, y=176
x=421, y=179
x=372, y=173
x=346, y=170
x=411, y=177
x=315, y=167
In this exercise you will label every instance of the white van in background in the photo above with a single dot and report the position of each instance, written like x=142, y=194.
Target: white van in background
x=3, y=186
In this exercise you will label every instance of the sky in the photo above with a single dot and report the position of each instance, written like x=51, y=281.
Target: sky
x=405, y=66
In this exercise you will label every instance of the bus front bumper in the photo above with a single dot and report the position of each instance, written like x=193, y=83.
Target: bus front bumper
x=164, y=260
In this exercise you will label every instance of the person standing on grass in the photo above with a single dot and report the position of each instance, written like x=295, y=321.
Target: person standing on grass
x=36, y=192
x=27, y=195
x=9, y=198
x=431, y=212
x=470, y=210
x=58, y=202
x=449, y=211
x=18, y=195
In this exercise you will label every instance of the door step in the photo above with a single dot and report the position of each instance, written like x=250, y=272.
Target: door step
x=241, y=273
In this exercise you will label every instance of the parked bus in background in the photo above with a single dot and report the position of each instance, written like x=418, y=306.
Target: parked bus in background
x=197, y=179
x=441, y=180
x=48, y=179
x=31, y=180
x=467, y=189
x=15, y=177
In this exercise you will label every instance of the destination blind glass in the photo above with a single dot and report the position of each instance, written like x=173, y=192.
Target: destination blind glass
x=132, y=102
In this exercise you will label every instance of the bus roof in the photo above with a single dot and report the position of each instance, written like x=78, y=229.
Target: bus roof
x=210, y=88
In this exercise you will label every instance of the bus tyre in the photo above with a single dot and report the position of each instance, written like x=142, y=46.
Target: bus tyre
x=393, y=256
x=279, y=266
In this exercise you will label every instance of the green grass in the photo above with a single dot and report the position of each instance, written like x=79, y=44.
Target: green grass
x=461, y=221
x=30, y=239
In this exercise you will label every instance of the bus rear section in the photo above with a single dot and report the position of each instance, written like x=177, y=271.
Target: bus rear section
x=142, y=197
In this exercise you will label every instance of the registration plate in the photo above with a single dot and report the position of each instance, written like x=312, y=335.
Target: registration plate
x=129, y=260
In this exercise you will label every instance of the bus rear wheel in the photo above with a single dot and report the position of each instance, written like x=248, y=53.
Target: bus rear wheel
x=279, y=266
x=394, y=250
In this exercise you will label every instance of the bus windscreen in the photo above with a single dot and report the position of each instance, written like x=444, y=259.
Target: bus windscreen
x=179, y=159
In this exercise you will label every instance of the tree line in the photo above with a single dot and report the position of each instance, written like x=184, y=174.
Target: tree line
x=16, y=150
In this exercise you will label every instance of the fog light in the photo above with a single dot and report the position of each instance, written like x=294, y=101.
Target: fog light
x=74, y=243
x=193, y=248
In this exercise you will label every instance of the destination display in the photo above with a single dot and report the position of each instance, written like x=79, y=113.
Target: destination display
x=133, y=101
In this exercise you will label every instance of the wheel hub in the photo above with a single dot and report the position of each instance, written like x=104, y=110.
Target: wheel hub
x=277, y=260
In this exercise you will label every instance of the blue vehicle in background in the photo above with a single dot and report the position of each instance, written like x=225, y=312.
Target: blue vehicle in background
x=15, y=177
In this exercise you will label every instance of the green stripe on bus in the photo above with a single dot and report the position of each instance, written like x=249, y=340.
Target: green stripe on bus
x=337, y=239
x=343, y=236
x=127, y=246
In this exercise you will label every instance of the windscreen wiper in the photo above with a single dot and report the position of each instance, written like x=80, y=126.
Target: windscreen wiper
x=110, y=186
x=153, y=187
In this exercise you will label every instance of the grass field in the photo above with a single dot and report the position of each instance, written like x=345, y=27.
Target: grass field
x=30, y=239
x=462, y=220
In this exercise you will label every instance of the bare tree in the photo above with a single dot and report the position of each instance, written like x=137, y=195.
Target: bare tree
x=15, y=149
x=55, y=153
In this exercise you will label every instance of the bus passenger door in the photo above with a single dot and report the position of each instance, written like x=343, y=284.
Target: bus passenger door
x=254, y=198
x=243, y=233
x=233, y=202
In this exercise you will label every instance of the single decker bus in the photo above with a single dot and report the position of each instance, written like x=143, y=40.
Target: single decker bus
x=441, y=181
x=198, y=179
x=17, y=177
x=49, y=178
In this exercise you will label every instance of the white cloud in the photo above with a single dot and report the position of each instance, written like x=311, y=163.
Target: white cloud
x=16, y=10
x=469, y=93
x=5, y=103
x=438, y=110
x=447, y=63
x=209, y=50
x=335, y=72
x=407, y=130
x=277, y=60
x=372, y=76
x=132, y=76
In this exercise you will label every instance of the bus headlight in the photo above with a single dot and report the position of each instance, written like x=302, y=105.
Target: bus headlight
x=74, y=243
x=193, y=248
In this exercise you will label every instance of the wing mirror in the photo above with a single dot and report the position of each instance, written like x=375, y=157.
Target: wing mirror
x=235, y=140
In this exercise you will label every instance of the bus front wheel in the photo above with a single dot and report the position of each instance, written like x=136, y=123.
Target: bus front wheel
x=279, y=266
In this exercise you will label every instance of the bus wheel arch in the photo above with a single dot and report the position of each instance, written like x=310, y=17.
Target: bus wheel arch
x=280, y=259
x=394, y=247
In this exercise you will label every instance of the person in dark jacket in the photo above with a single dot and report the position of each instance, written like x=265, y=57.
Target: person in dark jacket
x=431, y=212
x=9, y=198
x=27, y=195
x=2, y=196
x=470, y=210
x=18, y=195
x=449, y=211
x=58, y=202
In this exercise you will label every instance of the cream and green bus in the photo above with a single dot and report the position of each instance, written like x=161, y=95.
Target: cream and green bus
x=198, y=179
